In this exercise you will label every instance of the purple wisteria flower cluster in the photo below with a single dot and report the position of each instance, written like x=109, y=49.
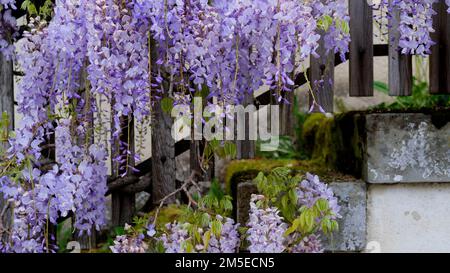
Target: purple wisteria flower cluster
x=100, y=51
x=234, y=47
x=8, y=28
x=177, y=235
x=311, y=189
x=52, y=57
x=309, y=244
x=228, y=241
x=75, y=184
x=266, y=228
x=128, y=244
x=415, y=23
x=290, y=227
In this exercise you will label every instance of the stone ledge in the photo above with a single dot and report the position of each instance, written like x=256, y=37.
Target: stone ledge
x=407, y=148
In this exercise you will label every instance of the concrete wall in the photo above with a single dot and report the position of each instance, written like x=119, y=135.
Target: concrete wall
x=409, y=217
x=403, y=204
x=406, y=154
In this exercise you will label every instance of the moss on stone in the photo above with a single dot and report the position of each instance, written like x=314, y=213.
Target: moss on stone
x=243, y=167
x=246, y=170
x=336, y=142
x=312, y=123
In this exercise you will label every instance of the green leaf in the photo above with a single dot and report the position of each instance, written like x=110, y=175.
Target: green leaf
x=326, y=225
x=306, y=221
x=325, y=22
x=334, y=225
x=216, y=228
x=29, y=7
x=381, y=86
x=205, y=219
x=284, y=201
x=322, y=205
x=293, y=196
x=167, y=105
x=230, y=149
x=189, y=247
x=206, y=239
x=293, y=227
x=119, y=231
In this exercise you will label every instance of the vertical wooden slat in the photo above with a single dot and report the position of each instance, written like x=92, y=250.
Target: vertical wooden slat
x=440, y=57
x=163, y=146
x=246, y=149
x=287, y=115
x=6, y=105
x=400, y=65
x=322, y=69
x=123, y=204
x=163, y=156
x=361, y=49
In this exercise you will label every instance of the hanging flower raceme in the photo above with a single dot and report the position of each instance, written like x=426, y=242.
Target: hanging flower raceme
x=178, y=236
x=333, y=18
x=415, y=23
x=311, y=189
x=266, y=228
x=234, y=47
x=53, y=102
x=8, y=30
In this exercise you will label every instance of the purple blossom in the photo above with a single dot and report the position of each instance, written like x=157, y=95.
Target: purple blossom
x=176, y=236
x=129, y=244
x=312, y=189
x=309, y=244
x=266, y=228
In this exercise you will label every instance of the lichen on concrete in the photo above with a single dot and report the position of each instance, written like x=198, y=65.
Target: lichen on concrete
x=351, y=236
x=406, y=148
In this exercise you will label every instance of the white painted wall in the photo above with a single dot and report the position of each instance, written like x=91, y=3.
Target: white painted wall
x=409, y=218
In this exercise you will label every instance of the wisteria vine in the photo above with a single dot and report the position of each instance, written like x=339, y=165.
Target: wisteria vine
x=96, y=52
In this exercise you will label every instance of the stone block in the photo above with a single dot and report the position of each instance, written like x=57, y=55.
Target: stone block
x=405, y=148
x=351, y=236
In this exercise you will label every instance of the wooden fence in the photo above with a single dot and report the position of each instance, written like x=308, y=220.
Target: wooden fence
x=157, y=174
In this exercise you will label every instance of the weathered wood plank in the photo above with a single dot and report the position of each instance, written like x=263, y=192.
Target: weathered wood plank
x=322, y=77
x=246, y=149
x=287, y=122
x=400, y=65
x=440, y=57
x=361, y=49
x=163, y=156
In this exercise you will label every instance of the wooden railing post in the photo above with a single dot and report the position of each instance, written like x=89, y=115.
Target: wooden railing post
x=400, y=65
x=440, y=56
x=322, y=69
x=361, y=49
